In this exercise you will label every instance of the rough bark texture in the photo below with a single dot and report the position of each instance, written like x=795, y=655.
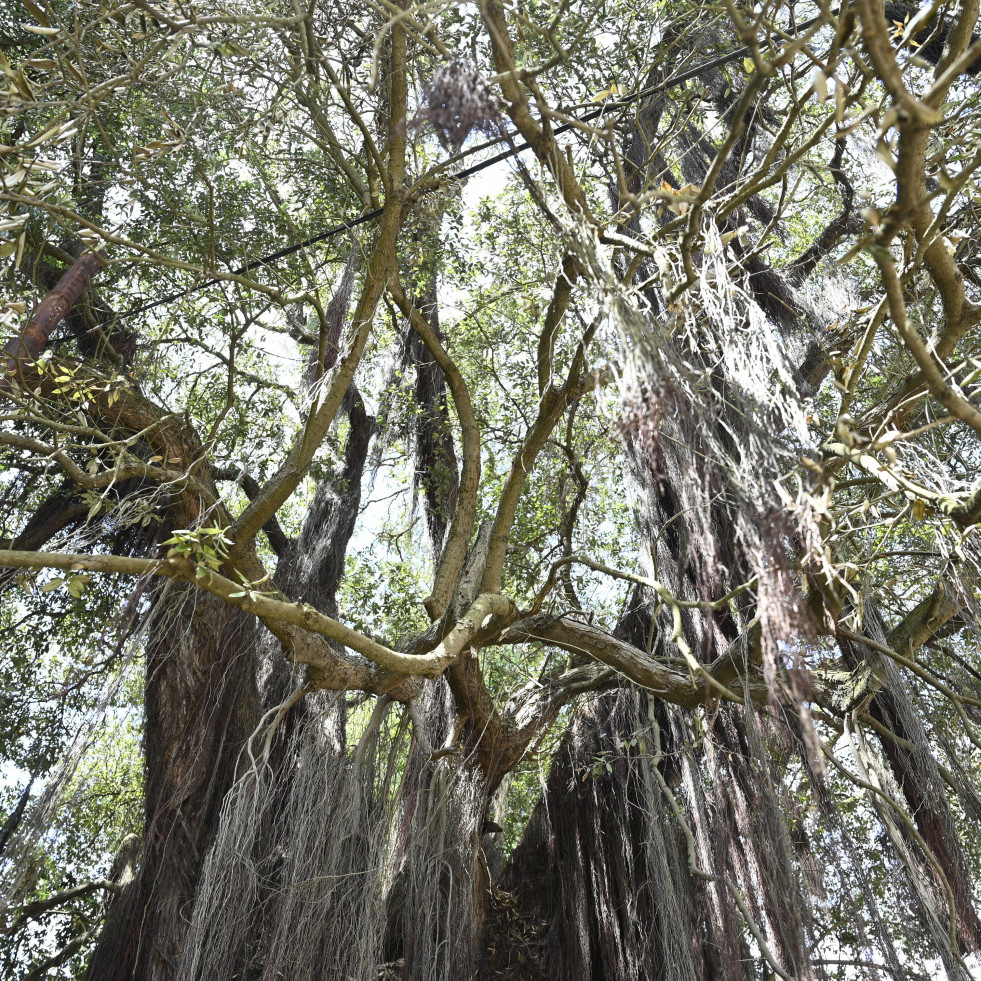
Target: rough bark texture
x=599, y=889
x=201, y=705
x=436, y=470
x=602, y=884
x=314, y=564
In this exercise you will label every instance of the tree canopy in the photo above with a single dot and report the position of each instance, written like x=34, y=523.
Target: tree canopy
x=490, y=490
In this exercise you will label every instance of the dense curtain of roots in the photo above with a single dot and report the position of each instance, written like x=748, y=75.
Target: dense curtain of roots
x=712, y=418
x=599, y=886
x=327, y=865
x=648, y=857
x=437, y=882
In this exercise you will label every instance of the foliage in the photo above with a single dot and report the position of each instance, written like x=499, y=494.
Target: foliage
x=620, y=496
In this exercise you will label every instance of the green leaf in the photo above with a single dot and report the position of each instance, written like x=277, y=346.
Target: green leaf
x=37, y=13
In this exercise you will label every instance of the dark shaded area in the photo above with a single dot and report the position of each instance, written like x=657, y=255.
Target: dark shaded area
x=436, y=470
x=929, y=42
x=14, y=818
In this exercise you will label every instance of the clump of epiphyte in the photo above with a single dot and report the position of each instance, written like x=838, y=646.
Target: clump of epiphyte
x=458, y=100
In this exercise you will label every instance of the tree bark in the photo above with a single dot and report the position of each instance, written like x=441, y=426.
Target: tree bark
x=201, y=706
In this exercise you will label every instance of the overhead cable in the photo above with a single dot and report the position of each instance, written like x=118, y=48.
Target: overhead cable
x=513, y=150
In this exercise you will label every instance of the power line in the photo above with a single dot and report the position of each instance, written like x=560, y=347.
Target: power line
x=513, y=150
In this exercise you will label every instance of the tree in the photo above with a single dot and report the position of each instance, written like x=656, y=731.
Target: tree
x=577, y=581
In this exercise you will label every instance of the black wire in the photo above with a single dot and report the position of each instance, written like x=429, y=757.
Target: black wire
x=258, y=263
x=512, y=151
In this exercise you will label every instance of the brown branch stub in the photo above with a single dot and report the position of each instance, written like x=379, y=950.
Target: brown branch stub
x=32, y=340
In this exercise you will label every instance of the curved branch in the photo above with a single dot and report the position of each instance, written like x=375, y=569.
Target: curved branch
x=656, y=677
x=33, y=338
x=272, y=610
x=279, y=488
x=455, y=550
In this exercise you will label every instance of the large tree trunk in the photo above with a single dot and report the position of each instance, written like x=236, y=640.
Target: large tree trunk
x=599, y=888
x=201, y=706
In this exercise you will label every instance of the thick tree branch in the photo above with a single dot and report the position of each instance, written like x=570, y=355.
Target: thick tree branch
x=33, y=338
x=537, y=135
x=581, y=638
x=280, y=487
x=278, y=540
x=41, y=906
x=381, y=267
x=458, y=539
x=274, y=611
